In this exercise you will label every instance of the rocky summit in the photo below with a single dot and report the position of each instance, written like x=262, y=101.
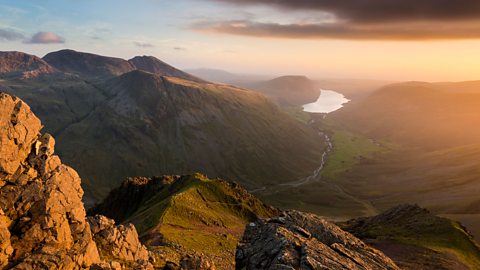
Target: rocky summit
x=298, y=240
x=43, y=222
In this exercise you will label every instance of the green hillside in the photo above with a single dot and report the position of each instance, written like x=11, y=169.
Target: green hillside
x=194, y=214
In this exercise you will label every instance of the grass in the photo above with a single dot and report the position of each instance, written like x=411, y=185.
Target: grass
x=421, y=229
x=348, y=149
x=199, y=215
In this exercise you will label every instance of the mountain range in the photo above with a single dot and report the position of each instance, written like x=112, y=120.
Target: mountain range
x=160, y=120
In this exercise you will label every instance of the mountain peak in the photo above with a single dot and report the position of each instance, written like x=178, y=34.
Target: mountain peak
x=17, y=64
x=87, y=64
x=154, y=65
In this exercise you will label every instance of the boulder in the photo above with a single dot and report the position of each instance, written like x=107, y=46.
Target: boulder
x=297, y=240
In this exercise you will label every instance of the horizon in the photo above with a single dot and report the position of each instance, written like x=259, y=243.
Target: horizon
x=257, y=37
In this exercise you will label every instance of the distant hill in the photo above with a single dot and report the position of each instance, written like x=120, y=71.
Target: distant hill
x=186, y=214
x=289, y=90
x=22, y=65
x=416, y=239
x=222, y=76
x=427, y=115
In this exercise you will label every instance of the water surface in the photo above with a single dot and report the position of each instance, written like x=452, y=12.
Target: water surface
x=328, y=101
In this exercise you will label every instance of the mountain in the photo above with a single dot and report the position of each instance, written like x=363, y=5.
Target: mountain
x=166, y=125
x=139, y=123
x=427, y=115
x=289, y=90
x=87, y=64
x=22, y=65
x=222, y=76
x=156, y=66
x=297, y=240
x=416, y=239
x=43, y=224
x=186, y=214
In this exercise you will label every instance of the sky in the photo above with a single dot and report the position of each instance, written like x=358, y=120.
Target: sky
x=428, y=40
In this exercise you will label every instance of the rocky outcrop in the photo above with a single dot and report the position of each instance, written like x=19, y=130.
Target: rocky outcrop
x=22, y=65
x=42, y=217
x=43, y=223
x=119, y=243
x=298, y=240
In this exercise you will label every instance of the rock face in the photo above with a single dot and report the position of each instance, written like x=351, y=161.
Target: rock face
x=22, y=65
x=43, y=221
x=42, y=214
x=118, y=242
x=297, y=240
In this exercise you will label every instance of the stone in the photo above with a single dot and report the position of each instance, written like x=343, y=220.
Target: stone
x=298, y=240
x=43, y=223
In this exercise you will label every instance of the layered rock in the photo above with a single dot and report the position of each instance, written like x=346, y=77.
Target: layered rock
x=42, y=214
x=43, y=222
x=298, y=240
x=118, y=242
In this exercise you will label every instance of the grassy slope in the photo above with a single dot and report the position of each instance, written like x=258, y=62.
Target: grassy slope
x=197, y=215
x=421, y=229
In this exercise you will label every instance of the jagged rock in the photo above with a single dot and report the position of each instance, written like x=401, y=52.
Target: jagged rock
x=43, y=222
x=298, y=240
x=118, y=242
x=42, y=218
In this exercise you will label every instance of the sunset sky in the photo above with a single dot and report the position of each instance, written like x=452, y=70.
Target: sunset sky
x=433, y=40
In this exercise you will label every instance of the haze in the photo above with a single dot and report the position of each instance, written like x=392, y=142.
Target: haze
x=364, y=39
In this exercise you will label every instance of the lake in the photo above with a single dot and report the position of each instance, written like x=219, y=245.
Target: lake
x=328, y=101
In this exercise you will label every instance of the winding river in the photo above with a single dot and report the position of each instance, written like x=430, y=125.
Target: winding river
x=327, y=102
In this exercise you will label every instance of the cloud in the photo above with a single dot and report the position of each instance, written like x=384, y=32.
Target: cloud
x=45, y=38
x=179, y=48
x=143, y=44
x=357, y=20
x=413, y=31
x=10, y=35
x=379, y=10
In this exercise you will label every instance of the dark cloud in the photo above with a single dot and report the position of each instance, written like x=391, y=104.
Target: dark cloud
x=359, y=20
x=10, y=35
x=379, y=10
x=45, y=38
x=143, y=44
x=414, y=31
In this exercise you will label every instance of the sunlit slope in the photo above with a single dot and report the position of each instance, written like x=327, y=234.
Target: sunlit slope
x=187, y=213
x=417, y=239
x=163, y=125
x=425, y=115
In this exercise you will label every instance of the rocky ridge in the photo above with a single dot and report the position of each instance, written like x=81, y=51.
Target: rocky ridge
x=298, y=240
x=415, y=238
x=43, y=222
